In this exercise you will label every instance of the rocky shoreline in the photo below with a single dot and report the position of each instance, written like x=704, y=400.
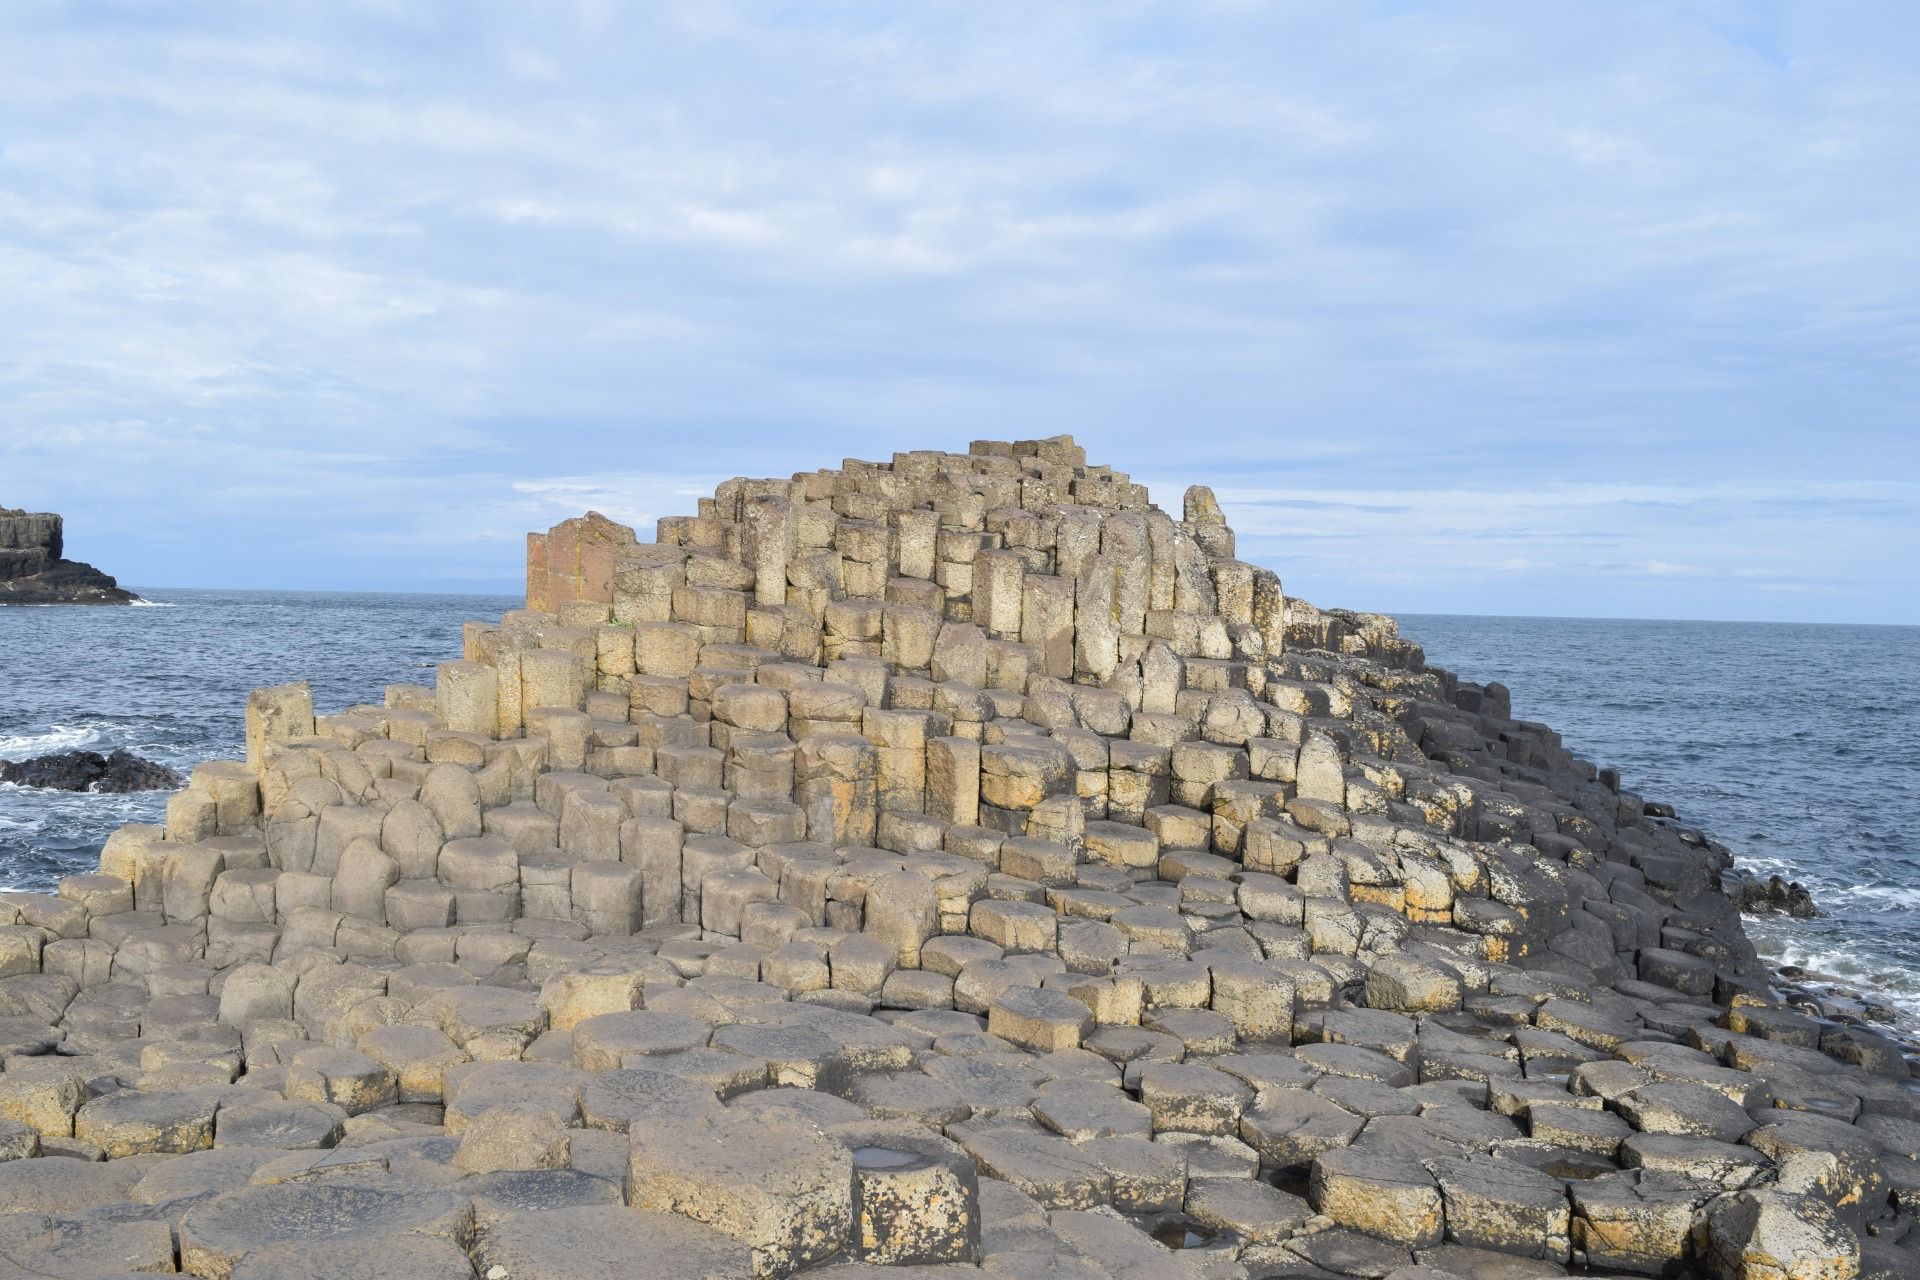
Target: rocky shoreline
x=113, y=774
x=948, y=866
x=34, y=571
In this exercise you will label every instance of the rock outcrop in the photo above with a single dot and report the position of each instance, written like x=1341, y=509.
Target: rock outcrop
x=119, y=772
x=33, y=570
x=953, y=862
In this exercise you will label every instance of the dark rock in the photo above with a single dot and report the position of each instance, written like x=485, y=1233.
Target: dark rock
x=33, y=570
x=90, y=771
x=1772, y=896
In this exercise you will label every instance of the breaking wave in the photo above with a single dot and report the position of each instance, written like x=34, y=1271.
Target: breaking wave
x=51, y=741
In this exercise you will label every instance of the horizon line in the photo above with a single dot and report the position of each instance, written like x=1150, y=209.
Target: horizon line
x=1391, y=613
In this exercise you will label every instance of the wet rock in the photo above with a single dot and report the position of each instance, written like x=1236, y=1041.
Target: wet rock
x=119, y=772
x=1772, y=896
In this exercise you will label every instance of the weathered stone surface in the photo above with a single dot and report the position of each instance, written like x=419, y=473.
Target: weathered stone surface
x=288, y=1125
x=1058, y=1174
x=1637, y=1222
x=378, y=1258
x=34, y=1244
x=616, y=1099
x=1378, y=1194
x=1038, y=1019
x=782, y=1189
x=607, y=1242
x=129, y=1124
x=1503, y=1205
x=915, y=1196
x=1774, y=1235
x=216, y=1237
x=346, y=1078
x=510, y=1137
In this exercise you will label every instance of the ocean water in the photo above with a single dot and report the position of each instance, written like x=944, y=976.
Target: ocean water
x=1798, y=746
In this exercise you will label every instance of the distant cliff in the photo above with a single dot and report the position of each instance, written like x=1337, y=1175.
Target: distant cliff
x=34, y=571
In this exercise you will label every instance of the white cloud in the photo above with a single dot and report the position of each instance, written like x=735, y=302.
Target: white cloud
x=1516, y=308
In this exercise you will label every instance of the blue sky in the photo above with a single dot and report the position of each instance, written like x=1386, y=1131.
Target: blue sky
x=1572, y=308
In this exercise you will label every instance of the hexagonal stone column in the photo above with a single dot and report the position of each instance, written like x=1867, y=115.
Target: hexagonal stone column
x=781, y=1188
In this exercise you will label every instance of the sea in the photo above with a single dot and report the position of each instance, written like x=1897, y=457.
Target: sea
x=1798, y=746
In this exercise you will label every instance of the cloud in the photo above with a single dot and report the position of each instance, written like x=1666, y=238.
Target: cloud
x=1455, y=307
x=635, y=498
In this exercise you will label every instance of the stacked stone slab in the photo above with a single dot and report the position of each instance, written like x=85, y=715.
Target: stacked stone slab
x=955, y=861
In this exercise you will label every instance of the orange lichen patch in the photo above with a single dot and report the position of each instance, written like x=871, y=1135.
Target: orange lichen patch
x=575, y=560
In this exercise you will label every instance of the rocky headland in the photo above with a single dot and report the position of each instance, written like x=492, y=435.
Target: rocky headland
x=33, y=570
x=941, y=867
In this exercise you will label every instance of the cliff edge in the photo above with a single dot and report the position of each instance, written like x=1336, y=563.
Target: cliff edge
x=33, y=570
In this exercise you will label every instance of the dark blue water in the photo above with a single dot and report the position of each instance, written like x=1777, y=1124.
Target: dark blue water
x=1799, y=746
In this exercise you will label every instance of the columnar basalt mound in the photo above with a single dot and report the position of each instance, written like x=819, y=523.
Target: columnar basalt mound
x=952, y=862
x=33, y=571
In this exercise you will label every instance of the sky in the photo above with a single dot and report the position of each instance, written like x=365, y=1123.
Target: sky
x=1596, y=309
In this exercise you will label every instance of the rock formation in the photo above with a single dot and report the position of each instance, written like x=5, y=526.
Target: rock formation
x=32, y=570
x=120, y=772
x=954, y=862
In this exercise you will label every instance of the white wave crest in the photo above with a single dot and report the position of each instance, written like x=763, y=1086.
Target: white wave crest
x=153, y=604
x=59, y=737
x=1894, y=895
x=1873, y=976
